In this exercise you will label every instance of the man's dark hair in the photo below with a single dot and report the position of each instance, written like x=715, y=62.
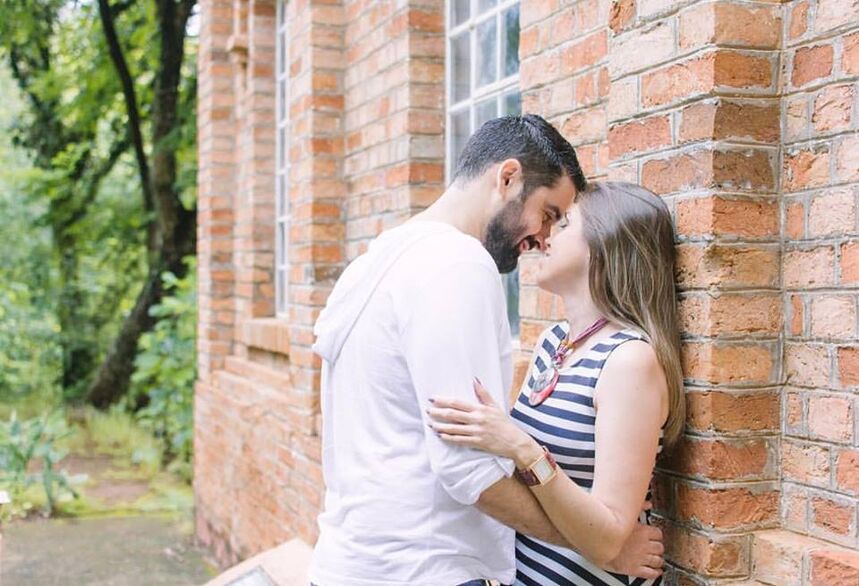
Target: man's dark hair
x=544, y=154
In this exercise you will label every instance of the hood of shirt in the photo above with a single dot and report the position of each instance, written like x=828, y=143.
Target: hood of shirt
x=359, y=281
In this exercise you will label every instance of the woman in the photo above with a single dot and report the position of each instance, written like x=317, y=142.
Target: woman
x=605, y=387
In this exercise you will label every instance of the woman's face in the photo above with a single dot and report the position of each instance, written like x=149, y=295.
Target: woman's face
x=564, y=266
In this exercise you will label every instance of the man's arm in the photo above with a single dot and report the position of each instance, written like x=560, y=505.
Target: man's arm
x=512, y=503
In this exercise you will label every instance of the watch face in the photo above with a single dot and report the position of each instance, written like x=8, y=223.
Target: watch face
x=543, y=470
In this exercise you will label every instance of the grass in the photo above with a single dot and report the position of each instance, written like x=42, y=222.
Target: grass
x=127, y=453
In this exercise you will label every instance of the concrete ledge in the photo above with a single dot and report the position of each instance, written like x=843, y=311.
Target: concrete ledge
x=284, y=565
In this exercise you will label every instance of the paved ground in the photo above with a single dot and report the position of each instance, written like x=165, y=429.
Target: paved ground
x=118, y=551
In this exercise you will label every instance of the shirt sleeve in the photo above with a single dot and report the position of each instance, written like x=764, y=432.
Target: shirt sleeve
x=453, y=333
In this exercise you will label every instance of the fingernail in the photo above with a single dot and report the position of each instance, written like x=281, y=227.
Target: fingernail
x=478, y=381
x=431, y=400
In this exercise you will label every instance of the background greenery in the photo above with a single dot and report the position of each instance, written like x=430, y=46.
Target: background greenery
x=92, y=271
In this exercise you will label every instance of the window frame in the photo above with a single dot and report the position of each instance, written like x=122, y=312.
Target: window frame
x=281, y=162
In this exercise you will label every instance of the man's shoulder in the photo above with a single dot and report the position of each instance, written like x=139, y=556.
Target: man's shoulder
x=449, y=248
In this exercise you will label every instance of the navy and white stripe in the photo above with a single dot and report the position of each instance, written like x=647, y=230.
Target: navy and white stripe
x=565, y=424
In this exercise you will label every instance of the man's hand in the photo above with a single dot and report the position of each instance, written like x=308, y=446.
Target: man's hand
x=641, y=555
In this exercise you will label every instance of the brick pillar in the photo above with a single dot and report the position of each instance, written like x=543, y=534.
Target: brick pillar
x=394, y=90
x=254, y=87
x=215, y=270
x=694, y=116
x=215, y=187
x=820, y=449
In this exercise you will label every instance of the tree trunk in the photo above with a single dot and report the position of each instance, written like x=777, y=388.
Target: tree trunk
x=175, y=228
x=114, y=375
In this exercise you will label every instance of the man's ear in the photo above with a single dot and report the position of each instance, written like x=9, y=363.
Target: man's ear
x=509, y=179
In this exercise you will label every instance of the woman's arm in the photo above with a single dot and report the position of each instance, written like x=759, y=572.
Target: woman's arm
x=631, y=398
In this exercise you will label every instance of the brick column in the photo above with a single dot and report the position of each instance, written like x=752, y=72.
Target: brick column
x=394, y=90
x=820, y=171
x=215, y=187
x=694, y=116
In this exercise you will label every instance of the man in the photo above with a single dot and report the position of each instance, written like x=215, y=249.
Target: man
x=421, y=314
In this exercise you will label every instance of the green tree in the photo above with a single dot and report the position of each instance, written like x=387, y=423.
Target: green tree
x=109, y=95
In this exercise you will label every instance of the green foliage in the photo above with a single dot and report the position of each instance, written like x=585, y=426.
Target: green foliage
x=74, y=249
x=28, y=456
x=164, y=375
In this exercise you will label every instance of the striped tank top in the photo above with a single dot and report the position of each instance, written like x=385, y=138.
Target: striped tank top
x=564, y=423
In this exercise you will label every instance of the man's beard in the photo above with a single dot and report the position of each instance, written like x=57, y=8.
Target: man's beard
x=502, y=236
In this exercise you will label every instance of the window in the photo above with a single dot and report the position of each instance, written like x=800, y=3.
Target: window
x=482, y=81
x=281, y=168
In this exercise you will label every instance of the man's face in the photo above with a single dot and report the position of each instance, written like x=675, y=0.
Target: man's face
x=520, y=226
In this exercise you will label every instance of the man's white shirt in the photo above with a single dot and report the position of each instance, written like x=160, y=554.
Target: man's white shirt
x=418, y=316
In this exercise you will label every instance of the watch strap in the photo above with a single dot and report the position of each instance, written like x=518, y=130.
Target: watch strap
x=529, y=475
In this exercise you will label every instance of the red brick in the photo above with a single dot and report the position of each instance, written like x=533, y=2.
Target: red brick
x=832, y=213
x=727, y=508
x=622, y=14
x=708, y=315
x=795, y=223
x=847, y=471
x=639, y=136
x=679, y=172
x=833, y=316
x=834, y=568
x=834, y=13
x=811, y=63
x=847, y=159
x=805, y=463
x=830, y=418
x=730, y=24
x=728, y=363
x=797, y=316
x=848, y=366
x=831, y=516
x=794, y=413
x=812, y=267
x=798, y=19
x=833, y=108
x=804, y=169
x=728, y=267
x=736, y=217
x=742, y=70
x=717, y=459
x=677, y=81
x=730, y=120
x=710, y=555
x=850, y=55
x=727, y=412
x=850, y=262
x=807, y=365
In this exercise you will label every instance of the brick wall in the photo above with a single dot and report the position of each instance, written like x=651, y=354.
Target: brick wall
x=740, y=113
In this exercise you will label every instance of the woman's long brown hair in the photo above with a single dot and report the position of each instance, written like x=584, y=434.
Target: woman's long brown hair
x=631, y=240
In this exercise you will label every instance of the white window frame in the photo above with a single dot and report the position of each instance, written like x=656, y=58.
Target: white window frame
x=281, y=163
x=496, y=89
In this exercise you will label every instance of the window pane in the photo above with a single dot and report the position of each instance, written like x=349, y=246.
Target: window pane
x=281, y=98
x=282, y=146
x=460, y=69
x=487, y=41
x=511, y=104
x=460, y=10
x=485, y=110
x=484, y=5
x=460, y=131
x=281, y=290
x=282, y=201
x=511, y=289
x=510, y=44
